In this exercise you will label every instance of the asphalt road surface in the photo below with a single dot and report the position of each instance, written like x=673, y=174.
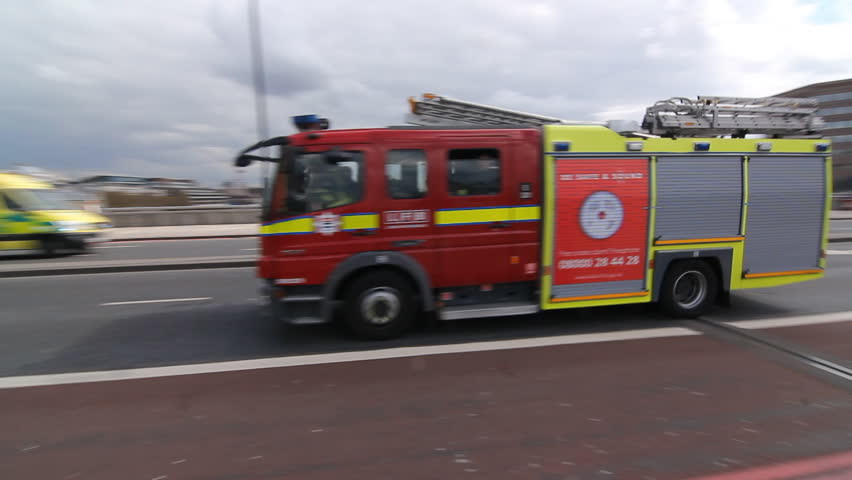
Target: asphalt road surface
x=94, y=322
x=620, y=393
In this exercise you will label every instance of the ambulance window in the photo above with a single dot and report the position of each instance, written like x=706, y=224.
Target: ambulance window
x=12, y=204
x=405, y=172
x=474, y=171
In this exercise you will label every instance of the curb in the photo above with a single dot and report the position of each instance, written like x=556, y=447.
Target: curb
x=78, y=270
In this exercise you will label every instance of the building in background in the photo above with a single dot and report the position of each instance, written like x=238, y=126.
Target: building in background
x=145, y=191
x=835, y=108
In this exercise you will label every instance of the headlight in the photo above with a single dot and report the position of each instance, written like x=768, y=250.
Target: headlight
x=67, y=225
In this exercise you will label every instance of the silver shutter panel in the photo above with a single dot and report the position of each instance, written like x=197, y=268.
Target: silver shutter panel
x=598, y=288
x=698, y=197
x=785, y=214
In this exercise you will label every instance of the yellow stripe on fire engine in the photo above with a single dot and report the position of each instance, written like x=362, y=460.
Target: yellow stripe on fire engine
x=526, y=213
x=290, y=226
x=360, y=221
x=473, y=216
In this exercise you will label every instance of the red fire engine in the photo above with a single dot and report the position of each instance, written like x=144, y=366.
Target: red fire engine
x=479, y=211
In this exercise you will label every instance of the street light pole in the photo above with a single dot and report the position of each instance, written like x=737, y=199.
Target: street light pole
x=259, y=80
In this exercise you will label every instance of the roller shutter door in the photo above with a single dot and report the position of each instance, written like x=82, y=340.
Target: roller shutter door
x=785, y=214
x=698, y=197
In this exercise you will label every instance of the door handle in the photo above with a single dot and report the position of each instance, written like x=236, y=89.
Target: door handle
x=500, y=225
x=408, y=243
x=363, y=233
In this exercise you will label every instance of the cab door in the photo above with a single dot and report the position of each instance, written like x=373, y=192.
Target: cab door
x=473, y=218
x=406, y=197
x=336, y=218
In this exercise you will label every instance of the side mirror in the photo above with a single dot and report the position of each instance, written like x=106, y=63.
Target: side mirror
x=244, y=160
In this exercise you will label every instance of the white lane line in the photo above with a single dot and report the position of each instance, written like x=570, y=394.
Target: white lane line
x=796, y=321
x=839, y=252
x=159, y=272
x=301, y=360
x=249, y=249
x=162, y=300
x=119, y=246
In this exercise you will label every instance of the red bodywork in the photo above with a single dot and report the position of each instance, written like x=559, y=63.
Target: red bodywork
x=452, y=255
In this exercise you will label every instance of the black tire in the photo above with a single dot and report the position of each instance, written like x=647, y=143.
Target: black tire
x=379, y=305
x=49, y=246
x=689, y=289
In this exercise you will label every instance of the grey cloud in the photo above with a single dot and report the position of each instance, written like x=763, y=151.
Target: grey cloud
x=284, y=76
x=164, y=87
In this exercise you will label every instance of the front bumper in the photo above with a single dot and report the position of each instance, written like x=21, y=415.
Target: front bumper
x=296, y=305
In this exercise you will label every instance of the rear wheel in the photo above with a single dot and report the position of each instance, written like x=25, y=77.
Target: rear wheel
x=689, y=289
x=379, y=306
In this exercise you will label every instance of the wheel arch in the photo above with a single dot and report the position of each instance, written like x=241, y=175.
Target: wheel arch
x=720, y=259
x=369, y=261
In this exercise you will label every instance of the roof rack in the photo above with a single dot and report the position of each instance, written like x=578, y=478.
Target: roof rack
x=737, y=116
x=678, y=116
x=438, y=110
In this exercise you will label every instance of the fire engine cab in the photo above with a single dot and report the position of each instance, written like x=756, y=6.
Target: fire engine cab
x=478, y=211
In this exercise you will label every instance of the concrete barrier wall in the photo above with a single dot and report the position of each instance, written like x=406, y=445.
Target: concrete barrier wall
x=172, y=216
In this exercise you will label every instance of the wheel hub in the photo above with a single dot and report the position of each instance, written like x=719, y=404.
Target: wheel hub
x=380, y=305
x=690, y=289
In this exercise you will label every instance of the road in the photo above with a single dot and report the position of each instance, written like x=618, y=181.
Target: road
x=81, y=322
x=620, y=392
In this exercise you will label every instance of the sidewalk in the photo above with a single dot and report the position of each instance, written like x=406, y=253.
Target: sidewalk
x=182, y=232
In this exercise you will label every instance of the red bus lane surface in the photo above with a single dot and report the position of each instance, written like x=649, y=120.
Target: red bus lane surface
x=831, y=339
x=661, y=408
x=830, y=467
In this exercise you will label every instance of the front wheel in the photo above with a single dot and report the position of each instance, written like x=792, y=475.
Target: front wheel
x=49, y=246
x=689, y=289
x=379, y=306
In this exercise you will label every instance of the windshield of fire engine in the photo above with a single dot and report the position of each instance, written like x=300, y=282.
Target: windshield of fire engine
x=316, y=184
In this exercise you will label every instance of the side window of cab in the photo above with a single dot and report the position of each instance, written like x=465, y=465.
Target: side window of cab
x=405, y=174
x=474, y=171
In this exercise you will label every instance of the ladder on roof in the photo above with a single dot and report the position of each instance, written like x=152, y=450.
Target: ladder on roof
x=678, y=116
x=439, y=111
x=709, y=116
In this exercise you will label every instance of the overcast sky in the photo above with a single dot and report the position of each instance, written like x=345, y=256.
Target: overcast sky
x=163, y=88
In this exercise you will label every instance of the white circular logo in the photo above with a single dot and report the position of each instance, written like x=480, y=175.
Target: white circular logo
x=327, y=223
x=601, y=215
